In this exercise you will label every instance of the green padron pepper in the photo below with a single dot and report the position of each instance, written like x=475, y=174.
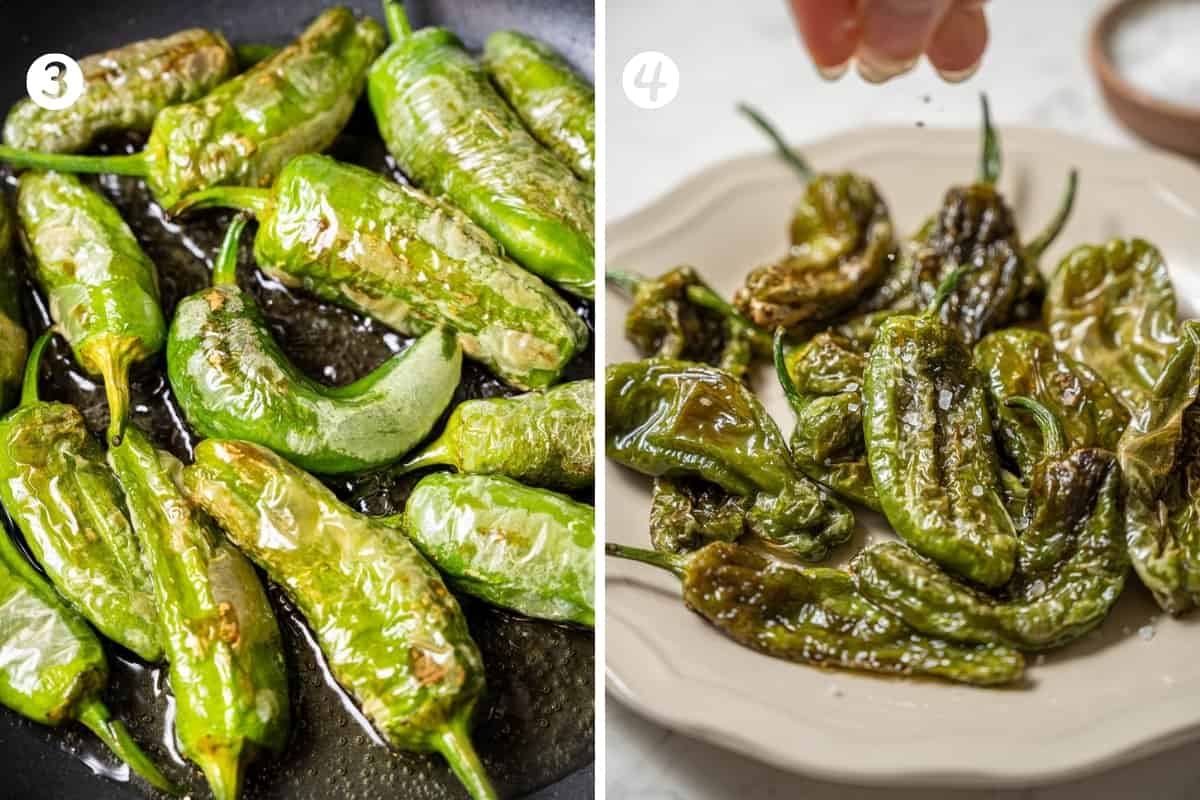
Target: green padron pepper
x=676, y=419
x=540, y=438
x=357, y=239
x=227, y=669
x=392, y=633
x=1022, y=362
x=57, y=488
x=102, y=287
x=529, y=550
x=243, y=132
x=232, y=381
x=449, y=130
x=14, y=342
x=1112, y=306
x=557, y=105
x=687, y=513
x=678, y=315
x=815, y=615
x=1160, y=456
x=124, y=89
x=1071, y=561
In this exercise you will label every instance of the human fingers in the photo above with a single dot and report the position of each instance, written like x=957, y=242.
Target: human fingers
x=959, y=42
x=830, y=31
x=895, y=34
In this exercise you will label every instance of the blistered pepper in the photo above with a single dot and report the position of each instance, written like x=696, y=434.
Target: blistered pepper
x=14, y=341
x=686, y=514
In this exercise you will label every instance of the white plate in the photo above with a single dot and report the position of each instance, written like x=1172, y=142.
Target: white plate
x=1131, y=688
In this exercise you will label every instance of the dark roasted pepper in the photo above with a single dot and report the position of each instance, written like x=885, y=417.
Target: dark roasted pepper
x=245, y=130
x=449, y=130
x=556, y=104
x=392, y=633
x=14, y=342
x=102, y=287
x=676, y=419
x=1071, y=561
x=232, y=380
x=222, y=642
x=356, y=239
x=687, y=513
x=815, y=615
x=541, y=438
x=124, y=90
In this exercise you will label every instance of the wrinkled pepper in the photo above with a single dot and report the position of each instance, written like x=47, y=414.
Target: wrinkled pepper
x=357, y=239
x=245, y=130
x=686, y=514
x=540, y=438
x=676, y=419
x=557, y=105
x=392, y=634
x=14, y=341
x=449, y=130
x=232, y=380
x=815, y=615
x=102, y=287
x=124, y=90
x=223, y=645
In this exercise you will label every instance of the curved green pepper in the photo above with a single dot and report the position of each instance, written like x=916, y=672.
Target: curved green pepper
x=540, y=438
x=449, y=130
x=677, y=419
x=557, y=106
x=124, y=90
x=232, y=380
x=102, y=287
x=14, y=342
x=392, y=633
x=59, y=491
x=356, y=239
x=1160, y=457
x=245, y=130
x=222, y=642
x=686, y=514
x=526, y=549
x=815, y=615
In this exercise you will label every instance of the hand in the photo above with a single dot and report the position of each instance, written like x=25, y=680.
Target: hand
x=888, y=37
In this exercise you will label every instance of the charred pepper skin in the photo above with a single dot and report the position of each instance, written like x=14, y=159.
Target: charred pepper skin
x=392, y=633
x=14, y=341
x=815, y=615
x=557, y=105
x=676, y=419
x=686, y=514
x=124, y=90
x=223, y=645
x=450, y=132
x=233, y=381
x=358, y=240
x=540, y=438
x=101, y=285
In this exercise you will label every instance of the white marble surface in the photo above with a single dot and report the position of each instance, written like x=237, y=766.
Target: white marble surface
x=1036, y=73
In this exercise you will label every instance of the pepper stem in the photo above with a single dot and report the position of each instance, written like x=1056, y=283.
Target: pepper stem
x=785, y=377
x=397, y=20
x=1038, y=246
x=781, y=147
x=96, y=717
x=455, y=746
x=225, y=267
x=29, y=384
x=133, y=164
x=627, y=282
x=222, y=768
x=990, y=160
x=1054, y=438
x=112, y=360
x=437, y=454
x=945, y=289
x=669, y=561
x=243, y=198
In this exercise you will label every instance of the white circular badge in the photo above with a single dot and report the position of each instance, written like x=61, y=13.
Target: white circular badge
x=650, y=80
x=54, y=81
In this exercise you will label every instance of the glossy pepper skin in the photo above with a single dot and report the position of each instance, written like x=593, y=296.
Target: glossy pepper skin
x=540, y=438
x=1160, y=456
x=676, y=419
x=1112, y=306
x=686, y=514
x=101, y=285
x=57, y=488
x=243, y=132
x=678, y=315
x=449, y=130
x=232, y=380
x=556, y=104
x=124, y=90
x=815, y=615
x=14, y=341
x=525, y=549
x=358, y=240
x=392, y=633
x=222, y=642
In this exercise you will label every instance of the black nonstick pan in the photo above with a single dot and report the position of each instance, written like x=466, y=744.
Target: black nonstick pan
x=535, y=728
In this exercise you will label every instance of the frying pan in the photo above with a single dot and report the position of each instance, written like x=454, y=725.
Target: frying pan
x=60, y=764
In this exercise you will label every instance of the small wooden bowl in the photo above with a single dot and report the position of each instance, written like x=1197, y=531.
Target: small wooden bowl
x=1161, y=122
